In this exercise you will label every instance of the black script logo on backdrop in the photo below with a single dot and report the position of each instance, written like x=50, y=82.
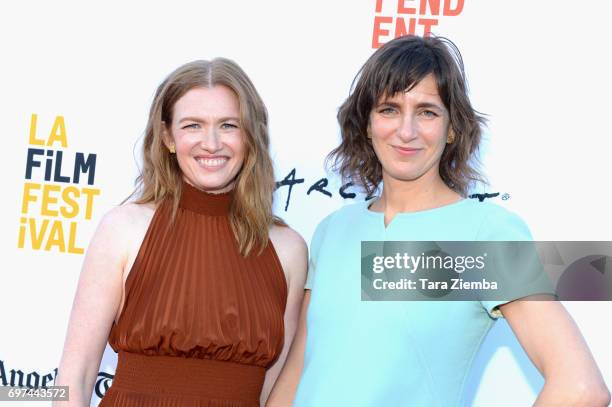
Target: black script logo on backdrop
x=103, y=383
x=347, y=192
x=17, y=378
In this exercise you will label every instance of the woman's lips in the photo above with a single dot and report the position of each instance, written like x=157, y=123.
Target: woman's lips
x=407, y=150
x=212, y=163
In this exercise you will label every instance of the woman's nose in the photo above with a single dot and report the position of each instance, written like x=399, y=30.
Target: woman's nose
x=210, y=140
x=406, y=130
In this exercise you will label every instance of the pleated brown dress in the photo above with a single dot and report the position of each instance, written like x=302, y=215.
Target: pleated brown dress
x=200, y=323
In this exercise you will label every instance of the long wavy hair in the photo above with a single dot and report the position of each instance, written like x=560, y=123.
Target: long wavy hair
x=396, y=67
x=161, y=177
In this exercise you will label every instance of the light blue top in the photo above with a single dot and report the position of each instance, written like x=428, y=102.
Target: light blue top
x=392, y=354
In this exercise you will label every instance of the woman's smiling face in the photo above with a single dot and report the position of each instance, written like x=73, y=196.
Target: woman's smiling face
x=208, y=137
x=409, y=131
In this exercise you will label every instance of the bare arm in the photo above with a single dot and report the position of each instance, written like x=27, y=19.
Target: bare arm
x=284, y=390
x=293, y=253
x=95, y=305
x=555, y=346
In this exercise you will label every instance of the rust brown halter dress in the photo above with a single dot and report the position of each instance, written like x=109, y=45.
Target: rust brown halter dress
x=200, y=323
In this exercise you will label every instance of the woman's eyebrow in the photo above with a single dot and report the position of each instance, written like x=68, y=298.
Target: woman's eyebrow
x=388, y=102
x=429, y=105
x=201, y=120
x=191, y=119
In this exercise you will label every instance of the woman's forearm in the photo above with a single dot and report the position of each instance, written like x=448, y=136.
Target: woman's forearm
x=284, y=390
x=556, y=347
x=76, y=395
x=80, y=386
x=286, y=385
x=574, y=395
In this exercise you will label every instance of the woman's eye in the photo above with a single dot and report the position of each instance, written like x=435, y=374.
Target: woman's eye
x=191, y=126
x=228, y=126
x=429, y=113
x=386, y=110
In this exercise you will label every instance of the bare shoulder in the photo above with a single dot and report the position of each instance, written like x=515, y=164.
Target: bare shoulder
x=291, y=250
x=121, y=231
x=117, y=242
x=288, y=241
x=132, y=220
x=129, y=215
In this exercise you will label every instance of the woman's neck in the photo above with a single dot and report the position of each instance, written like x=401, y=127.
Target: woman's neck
x=412, y=196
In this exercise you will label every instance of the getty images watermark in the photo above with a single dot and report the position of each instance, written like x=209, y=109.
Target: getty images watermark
x=465, y=271
x=49, y=393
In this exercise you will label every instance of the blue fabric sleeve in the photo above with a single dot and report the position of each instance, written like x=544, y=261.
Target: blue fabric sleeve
x=315, y=247
x=502, y=225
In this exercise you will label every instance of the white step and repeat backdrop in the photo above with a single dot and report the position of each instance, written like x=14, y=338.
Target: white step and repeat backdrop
x=77, y=80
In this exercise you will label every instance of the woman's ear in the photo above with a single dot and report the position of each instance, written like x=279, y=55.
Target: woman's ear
x=451, y=135
x=167, y=138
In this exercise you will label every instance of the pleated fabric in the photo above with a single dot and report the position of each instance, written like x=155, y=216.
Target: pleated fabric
x=200, y=323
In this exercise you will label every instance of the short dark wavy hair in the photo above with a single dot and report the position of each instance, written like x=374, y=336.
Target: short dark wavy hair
x=396, y=67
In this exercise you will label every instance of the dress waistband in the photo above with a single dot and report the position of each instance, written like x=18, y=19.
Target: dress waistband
x=184, y=377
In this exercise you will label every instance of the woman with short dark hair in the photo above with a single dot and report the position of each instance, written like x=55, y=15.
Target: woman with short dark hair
x=409, y=129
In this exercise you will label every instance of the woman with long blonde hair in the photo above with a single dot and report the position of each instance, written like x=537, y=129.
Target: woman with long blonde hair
x=194, y=283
